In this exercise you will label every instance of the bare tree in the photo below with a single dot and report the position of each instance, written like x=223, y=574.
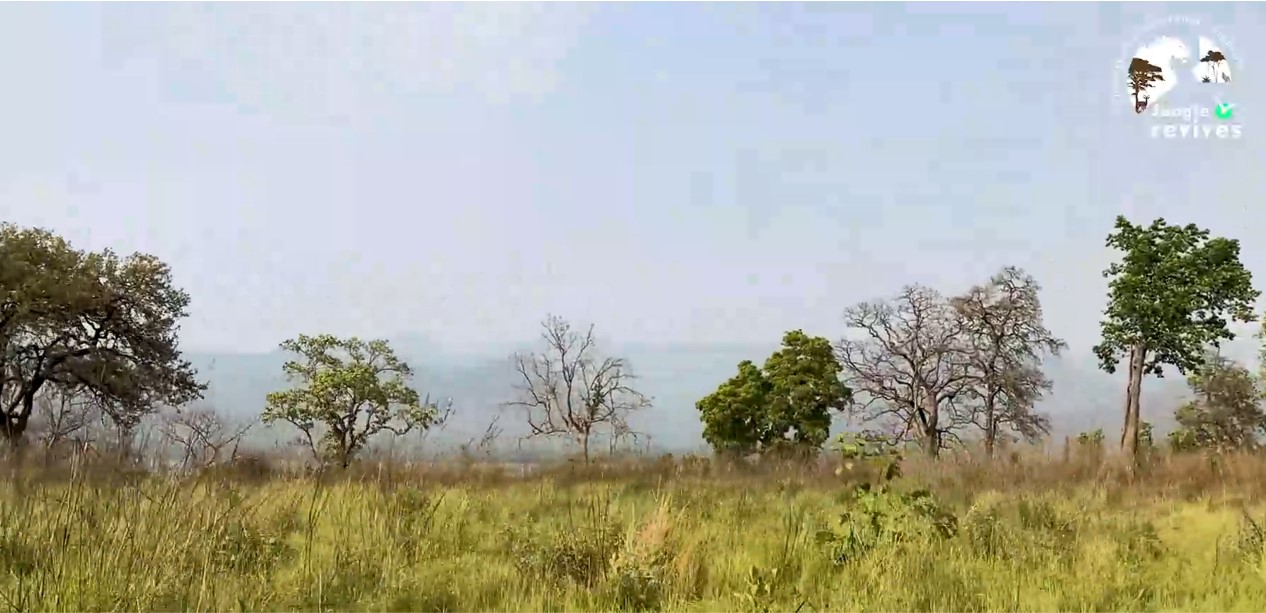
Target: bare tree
x=1003, y=324
x=908, y=366
x=569, y=390
x=204, y=436
x=61, y=417
x=120, y=426
x=484, y=444
x=622, y=433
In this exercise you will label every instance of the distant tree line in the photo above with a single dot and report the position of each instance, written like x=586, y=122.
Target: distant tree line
x=89, y=337
x=916, y=368
x=925, y=370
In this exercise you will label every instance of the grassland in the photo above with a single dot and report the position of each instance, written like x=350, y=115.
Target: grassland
x=657, y=535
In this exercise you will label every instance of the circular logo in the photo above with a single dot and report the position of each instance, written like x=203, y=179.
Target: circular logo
x=1178, y=75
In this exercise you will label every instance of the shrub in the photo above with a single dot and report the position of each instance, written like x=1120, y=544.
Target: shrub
x=881, y=517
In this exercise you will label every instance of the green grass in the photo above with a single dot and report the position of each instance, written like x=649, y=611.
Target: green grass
x=626, y=542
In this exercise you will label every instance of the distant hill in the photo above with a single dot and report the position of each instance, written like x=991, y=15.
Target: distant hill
x=674, y=375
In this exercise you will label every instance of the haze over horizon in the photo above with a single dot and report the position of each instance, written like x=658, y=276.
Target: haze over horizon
x=677, y=174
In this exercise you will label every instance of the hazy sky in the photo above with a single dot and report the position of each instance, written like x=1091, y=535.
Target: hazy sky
x=670, y=172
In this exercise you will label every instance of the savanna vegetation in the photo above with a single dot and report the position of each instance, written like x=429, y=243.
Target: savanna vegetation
x=943, y=491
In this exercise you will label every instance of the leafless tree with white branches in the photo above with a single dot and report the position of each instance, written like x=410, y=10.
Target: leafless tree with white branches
x=569, y=390
x=907, y=365
x=1003, y=321
x=62, y=417
x=204, y=437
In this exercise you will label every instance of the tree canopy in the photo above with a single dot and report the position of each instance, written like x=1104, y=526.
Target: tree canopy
x=786, y=403
x=1226, y=412
x=88, y=323
x=348, y=391
x=1170, y=297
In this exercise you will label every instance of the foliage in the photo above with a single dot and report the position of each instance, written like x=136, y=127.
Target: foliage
x=678, y=543
x=350, y=388
x=862, y=454
x=880, y=517
x=641, y=570
x=90, y=324
x=788, y=401
x=1172, y=294
x=1250, y=540
x=570, y=390
x=1226, y=412
x=1170, y=297
x=1093, y=438
x=1147, y=441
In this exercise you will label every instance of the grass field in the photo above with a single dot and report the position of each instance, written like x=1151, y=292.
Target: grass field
x=1044, y=535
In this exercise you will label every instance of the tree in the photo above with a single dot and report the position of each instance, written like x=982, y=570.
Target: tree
x=204, y=437
x=1169, y=298
x=1214, y=58
x=1142, y=75
x=788, y=402
x=60, y=417
x=349, y=390
x=1226, y=412
x=570, y=390
x=909, y=366
x=1003, y=323
x=735, y=420
x=90, y=324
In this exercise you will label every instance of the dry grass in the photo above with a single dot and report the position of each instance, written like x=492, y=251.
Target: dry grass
x=1023, y=533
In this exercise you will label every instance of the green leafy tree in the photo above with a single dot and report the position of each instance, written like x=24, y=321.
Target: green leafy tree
x=1169, y=297
x=348, y=391
x=90, y=324
x=786, y=403
x=1226, y=412
x=735, y=416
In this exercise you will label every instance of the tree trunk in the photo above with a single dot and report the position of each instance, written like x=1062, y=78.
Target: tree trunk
x=1130, y=433
x=13, y=425
x=345, y=452
x=991, y=428
x=12, y=430
x=584, y=446
x=931, y=430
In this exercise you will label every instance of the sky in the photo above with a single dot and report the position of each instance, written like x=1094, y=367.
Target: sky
x=673, y=173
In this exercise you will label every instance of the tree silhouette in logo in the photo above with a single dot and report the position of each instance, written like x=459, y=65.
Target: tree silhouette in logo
x=1215, y=59
x=1142, y=75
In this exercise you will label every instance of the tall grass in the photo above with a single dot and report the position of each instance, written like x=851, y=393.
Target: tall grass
x=1024, y=533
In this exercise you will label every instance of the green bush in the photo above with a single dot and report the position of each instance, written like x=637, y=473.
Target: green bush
x=879, y=517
